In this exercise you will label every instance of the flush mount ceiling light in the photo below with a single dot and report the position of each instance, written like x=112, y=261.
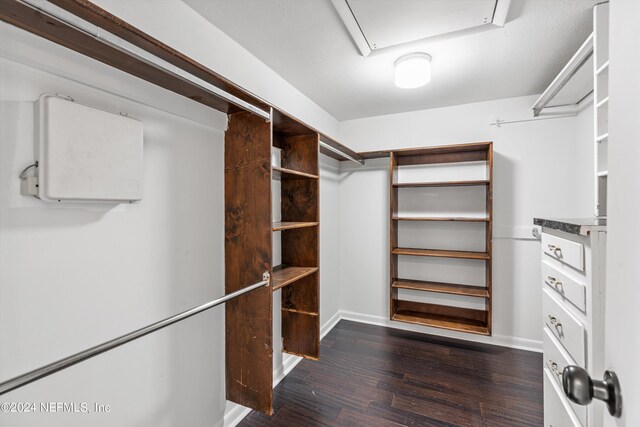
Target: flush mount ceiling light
x=413, y=70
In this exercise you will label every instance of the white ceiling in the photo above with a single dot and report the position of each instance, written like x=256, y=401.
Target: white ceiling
x=306, y=42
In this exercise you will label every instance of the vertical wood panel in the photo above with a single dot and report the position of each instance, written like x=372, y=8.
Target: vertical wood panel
x=297, y=338
x=488, y=235
x=301, y=153
x=302, y=295
x=393, y=233
x=248, y=253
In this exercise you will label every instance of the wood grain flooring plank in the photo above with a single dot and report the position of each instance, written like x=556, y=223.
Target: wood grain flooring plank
x=352, y=418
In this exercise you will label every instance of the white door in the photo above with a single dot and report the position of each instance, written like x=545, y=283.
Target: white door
x=622, y=324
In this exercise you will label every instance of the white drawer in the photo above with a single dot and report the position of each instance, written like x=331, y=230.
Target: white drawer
x=566, y=251
x=564, y=326
x=570, y=289
x=557, y=412
x=555, y=360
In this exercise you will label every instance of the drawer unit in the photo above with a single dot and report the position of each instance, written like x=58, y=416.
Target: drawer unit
x=573, y=288
x=569, y=289
x=557, y=412
x=565, y=327
x=555, y=360
x=566, y=251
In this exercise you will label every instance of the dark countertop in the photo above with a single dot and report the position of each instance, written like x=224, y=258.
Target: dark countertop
x=580, y=226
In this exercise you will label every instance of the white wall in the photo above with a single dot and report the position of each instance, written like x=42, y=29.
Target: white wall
x=72, y=277
x=532, y=177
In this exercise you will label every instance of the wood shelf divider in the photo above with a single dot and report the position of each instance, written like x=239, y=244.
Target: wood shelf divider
x=441, y=253
x=444, y=288
x=284, y=275
x=441, y=321
x=292, y=310
x=444, y=219
x=282, y=225
x=473, y=183
x=427, y=314
x=290, y=174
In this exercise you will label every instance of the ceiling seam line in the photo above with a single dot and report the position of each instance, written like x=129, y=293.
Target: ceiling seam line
x=358, y=24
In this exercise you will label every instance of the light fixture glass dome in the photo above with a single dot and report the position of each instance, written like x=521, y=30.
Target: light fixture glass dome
x=413, y=70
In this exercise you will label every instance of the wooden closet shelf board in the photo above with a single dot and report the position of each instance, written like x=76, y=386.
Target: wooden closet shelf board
x=282, y=225
x=476, y=151
x=460, y=219
x=440, y=253
x=442, y=316
x=308, y=313
x=442, y=322
x=289, y=174
x=442, y=184
x=444, y=288
x=284, y=275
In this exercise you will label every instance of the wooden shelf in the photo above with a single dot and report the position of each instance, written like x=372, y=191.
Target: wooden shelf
x=290, y=174
x=443, y=322
x=443, y=288
x=281, y=225
x=442, y=316
x=285, y=275
x=442, y=184
x=460, y=219
x=292, y=310
x=440, y=253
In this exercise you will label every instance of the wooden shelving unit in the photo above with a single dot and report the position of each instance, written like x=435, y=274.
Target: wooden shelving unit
x=298, y=277
x=249, y=232
x=439, y=315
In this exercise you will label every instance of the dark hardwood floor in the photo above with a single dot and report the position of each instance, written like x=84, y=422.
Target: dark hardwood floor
x=375, y=376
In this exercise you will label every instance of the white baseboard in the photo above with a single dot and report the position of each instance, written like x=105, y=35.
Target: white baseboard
x=234, y=413
x=500, y=340
x=289, y=361
x=329, y=324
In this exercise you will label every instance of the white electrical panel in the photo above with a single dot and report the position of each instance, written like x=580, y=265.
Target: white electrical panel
x=87, y=155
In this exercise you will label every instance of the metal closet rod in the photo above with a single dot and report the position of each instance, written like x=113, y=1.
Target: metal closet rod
x=570, y=69
x=51, y=368
x=134, y=51
x=342, y=153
